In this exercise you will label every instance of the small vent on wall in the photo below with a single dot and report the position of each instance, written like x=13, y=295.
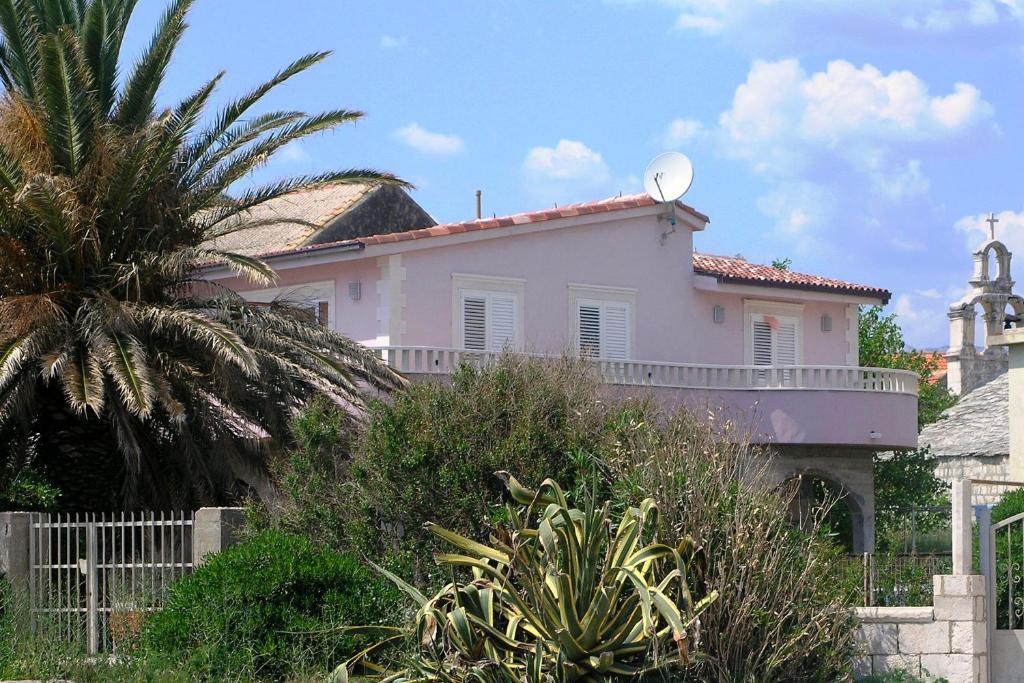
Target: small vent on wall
x=718, y=314
x=826, y=323
x=355, y=290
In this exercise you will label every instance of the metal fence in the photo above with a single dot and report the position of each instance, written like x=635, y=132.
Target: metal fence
x=94, y=576
x=893, y=580
x=914, y=530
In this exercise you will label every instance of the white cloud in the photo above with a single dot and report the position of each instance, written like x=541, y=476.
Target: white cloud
x=833, y=142
x=293, y=153
x=681, y=131
x=570, y=171
x=901, y=183
x=780, y=104
x=836, y=17
x=392, y=42
x=904, y=244
x=1009, y=230
x=425, y=141
x=931, y=293
x=568, y=160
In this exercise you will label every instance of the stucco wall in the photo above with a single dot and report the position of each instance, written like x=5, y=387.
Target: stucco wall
x=673, y=319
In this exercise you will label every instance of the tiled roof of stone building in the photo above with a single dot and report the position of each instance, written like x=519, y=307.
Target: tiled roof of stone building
x=977, y=425
x=301, y=215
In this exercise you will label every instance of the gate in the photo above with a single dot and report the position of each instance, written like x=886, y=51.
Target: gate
x=1004, y=572
x=94, y=576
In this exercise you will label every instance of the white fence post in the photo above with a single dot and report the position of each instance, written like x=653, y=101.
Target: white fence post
x=961, y=523
x=213, y=530
x=92, y=586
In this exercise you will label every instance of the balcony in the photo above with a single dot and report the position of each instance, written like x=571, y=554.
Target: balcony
x=807, y=405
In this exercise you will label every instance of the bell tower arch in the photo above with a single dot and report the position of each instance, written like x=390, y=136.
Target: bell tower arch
x=991, y=295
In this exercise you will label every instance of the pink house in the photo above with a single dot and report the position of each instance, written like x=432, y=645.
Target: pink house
x=619, y=281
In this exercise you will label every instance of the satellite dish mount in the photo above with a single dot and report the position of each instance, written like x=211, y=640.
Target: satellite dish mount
x=667, y=178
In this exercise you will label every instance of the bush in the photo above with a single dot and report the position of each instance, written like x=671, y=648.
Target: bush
x=550, y=600
x=266, y=608
x=783, y=610
x=430, y=453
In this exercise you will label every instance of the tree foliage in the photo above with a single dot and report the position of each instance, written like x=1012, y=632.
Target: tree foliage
x=115, y=357
x=882, y=346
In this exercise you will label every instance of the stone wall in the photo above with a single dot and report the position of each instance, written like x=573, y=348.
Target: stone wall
x=995, y=467
x=948, y=640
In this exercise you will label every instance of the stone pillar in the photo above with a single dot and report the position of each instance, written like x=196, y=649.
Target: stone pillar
x=961, y=347
x=215, y=529
x=15, y=565
x=961, y=523
x=959, y=604
x=1014, y=339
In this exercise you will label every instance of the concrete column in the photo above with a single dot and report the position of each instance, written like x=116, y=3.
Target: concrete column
x=15, y=529
x=15, y=562
x=215, y=529
x=1014, y=339
x=961, y=523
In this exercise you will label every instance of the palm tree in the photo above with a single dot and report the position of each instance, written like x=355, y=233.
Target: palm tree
x=131, y=380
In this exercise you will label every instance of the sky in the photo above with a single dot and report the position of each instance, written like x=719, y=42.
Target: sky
x=863, y=140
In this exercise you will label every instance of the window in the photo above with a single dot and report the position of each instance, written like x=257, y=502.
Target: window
x=773, y=339
x=603, y=328
x=490, y=321
x=313, y=302
x=602, y=320
x=487, y=312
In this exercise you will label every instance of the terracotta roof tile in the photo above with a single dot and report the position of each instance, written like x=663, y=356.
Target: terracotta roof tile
x=738, y=270
x=568, y=211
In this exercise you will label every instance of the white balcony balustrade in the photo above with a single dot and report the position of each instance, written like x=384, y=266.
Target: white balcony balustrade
x=441, y=361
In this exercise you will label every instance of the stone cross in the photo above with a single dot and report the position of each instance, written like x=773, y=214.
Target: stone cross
x=992, y=220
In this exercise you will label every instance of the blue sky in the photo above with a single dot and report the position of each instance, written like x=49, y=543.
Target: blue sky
x=862, y=140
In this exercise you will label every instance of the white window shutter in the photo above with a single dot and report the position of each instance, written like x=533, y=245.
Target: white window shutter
x=785, y=342
x=502, y=322
x=761, y=334
x=474, y=323
x=615, y=331
x=589, y=317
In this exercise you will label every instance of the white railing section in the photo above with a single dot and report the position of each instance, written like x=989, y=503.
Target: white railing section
x=440, y=361
x=94, y=576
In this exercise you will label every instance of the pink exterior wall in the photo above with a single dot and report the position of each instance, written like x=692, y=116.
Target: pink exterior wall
x=673, y=318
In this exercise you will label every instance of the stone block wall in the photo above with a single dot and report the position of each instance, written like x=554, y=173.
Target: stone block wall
x=990, y=467
x=948, y=640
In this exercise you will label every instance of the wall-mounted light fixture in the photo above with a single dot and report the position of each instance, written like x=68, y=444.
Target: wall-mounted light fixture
x=875, y=435
x=826, y=322
x=355, y=290
x=718, y=314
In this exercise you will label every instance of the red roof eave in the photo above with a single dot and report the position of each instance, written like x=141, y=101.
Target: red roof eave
x=739, y=271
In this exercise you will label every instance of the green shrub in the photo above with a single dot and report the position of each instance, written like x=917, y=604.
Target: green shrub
x=430, y=453
x=783, y=609
x=266, y=608
x=550, y=599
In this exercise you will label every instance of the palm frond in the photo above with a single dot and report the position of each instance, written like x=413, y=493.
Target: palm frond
x=67, y=93
x=128, y=366
x=136, y=103
x=230, y=114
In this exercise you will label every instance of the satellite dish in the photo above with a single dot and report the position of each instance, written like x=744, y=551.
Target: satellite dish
x=668, y=177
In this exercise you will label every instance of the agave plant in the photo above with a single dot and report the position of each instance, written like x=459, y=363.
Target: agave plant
x=561, y=594
x=116, y=361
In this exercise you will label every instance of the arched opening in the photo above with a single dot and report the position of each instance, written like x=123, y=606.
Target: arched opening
x=819, y=496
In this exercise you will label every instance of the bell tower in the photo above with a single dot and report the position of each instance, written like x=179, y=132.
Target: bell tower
x=969, y=368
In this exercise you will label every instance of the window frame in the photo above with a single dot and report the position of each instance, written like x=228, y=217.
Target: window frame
x=602, y=295
x=777, y=309
x=487, y=285
x=315, y=293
